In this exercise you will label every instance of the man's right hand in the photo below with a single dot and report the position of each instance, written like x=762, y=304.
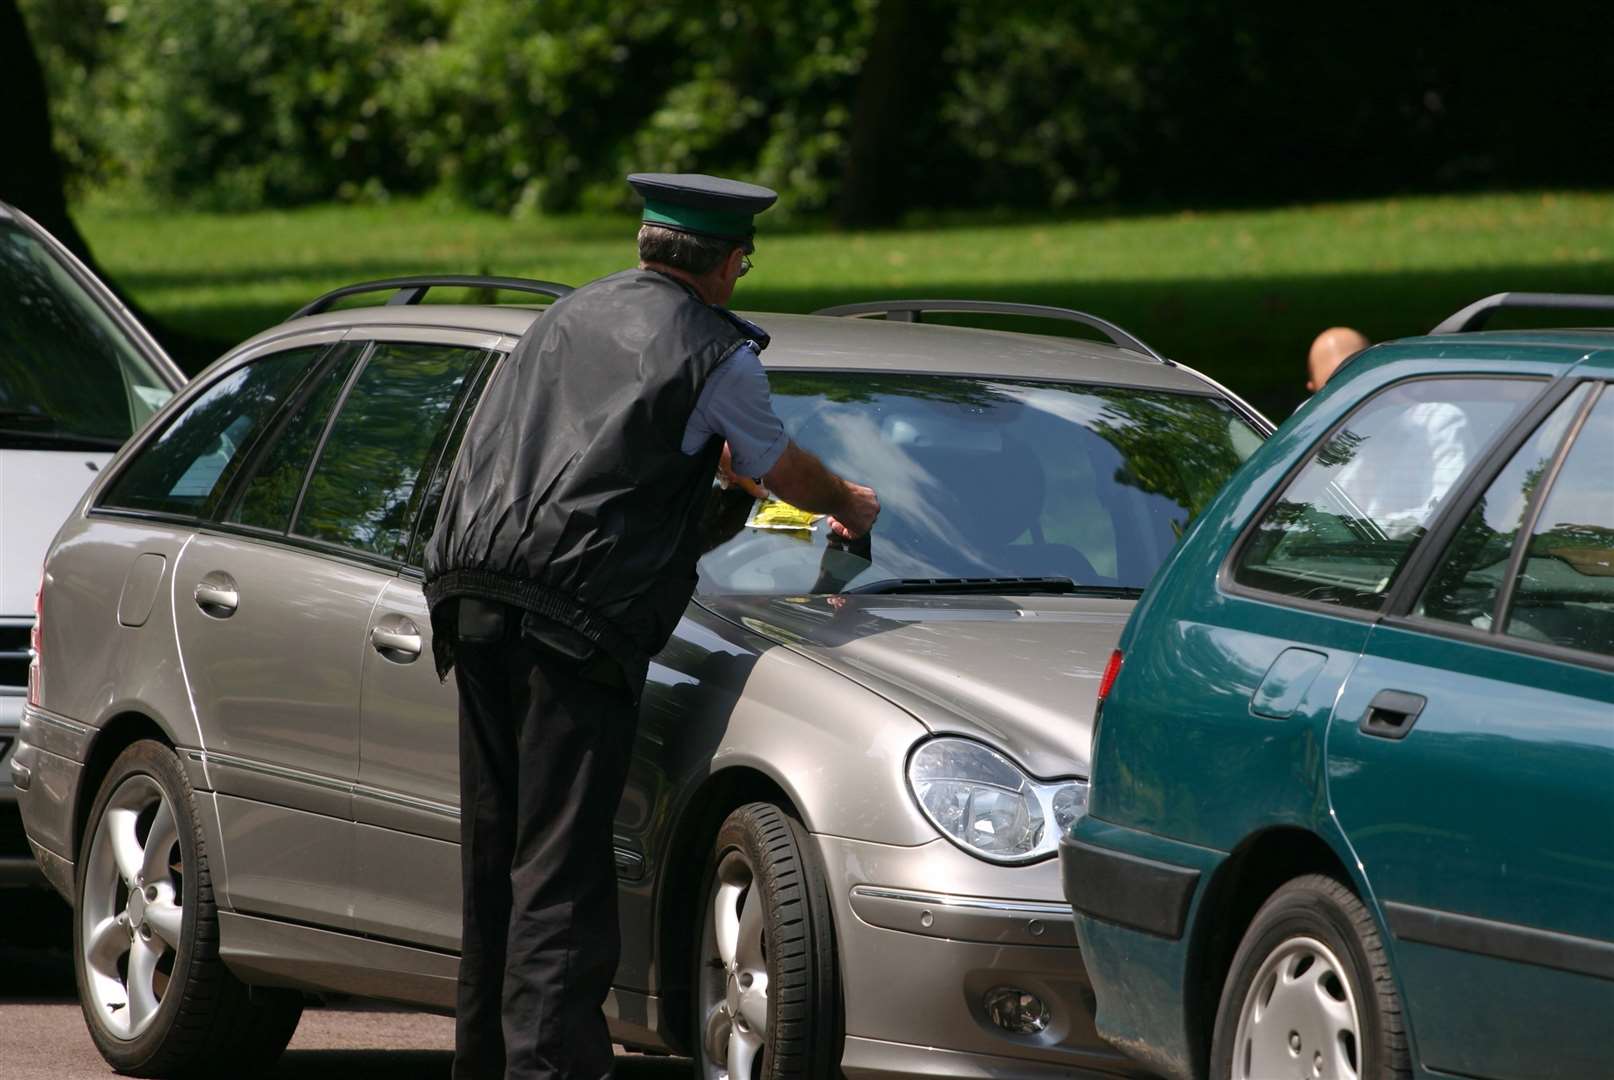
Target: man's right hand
x=801, y=480
x=857, y=517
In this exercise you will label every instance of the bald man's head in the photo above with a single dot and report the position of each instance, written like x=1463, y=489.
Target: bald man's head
x=1332, y=348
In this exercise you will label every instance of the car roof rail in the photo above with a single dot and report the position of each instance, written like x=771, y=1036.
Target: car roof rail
x=912, y=310
x=1474, y=315
x=410, y=290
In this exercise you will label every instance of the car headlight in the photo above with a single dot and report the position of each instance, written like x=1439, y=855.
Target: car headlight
x=990, y=806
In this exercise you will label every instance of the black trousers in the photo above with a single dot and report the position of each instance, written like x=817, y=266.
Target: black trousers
x=544, y=748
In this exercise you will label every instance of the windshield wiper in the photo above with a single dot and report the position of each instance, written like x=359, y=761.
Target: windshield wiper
x=996, y=586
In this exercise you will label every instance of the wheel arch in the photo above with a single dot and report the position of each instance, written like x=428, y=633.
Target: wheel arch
x=678, y=899
x=116, y=735
x=1255, y=869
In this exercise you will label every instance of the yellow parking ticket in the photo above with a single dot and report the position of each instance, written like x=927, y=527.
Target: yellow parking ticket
x=772, y=513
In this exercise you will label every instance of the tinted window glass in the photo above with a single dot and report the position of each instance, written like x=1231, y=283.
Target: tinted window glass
x=982, y=478
x=360, y=492
x=1565, y=591
x=1343, y=527
x=270, y=496
x=1465, y=586
x=68, y=373
x=432, y=503
x=192, y=460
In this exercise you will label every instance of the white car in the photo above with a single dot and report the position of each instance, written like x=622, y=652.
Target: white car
x=78, y=376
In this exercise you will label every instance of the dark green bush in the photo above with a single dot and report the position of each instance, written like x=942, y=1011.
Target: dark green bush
x=544, y=104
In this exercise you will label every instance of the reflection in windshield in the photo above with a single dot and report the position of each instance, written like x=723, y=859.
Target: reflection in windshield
x=984, y=478
x=66, y=369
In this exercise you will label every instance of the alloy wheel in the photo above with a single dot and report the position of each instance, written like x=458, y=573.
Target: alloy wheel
x=1299, y=1018
x=131, y=907
x=734, y=976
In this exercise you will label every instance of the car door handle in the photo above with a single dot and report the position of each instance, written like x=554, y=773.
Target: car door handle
x=219, y=601
x=1391, y=714
x=396, y=645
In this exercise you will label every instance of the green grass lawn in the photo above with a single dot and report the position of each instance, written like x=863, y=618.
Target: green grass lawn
x=1236, y=293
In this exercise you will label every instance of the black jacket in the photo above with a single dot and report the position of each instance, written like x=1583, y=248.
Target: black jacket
x=572, y=496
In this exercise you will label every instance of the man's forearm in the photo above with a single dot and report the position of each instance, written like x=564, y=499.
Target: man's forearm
x=800, y=479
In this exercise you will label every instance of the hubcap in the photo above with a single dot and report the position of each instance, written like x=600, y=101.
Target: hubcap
x=734, y=975
x=130, y=913
x=1299, y=1020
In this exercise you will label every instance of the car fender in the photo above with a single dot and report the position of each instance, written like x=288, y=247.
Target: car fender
x=93, y=678
x=836, y=749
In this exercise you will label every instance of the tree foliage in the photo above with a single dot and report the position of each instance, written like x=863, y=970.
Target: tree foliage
x=865, y=106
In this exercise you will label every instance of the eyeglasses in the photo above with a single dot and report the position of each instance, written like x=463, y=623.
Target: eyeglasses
x=745, y=266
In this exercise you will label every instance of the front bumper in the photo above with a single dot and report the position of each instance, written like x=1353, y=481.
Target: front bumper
x=1134, y=895
x=924, y=933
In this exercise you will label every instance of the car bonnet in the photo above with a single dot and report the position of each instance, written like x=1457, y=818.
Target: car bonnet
x=1020, y=673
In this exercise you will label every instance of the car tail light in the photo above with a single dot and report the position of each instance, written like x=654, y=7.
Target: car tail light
x=1111, y=670
x=34, y=639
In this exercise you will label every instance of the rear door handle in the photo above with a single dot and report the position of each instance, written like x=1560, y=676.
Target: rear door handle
x=1391, y=714
x=398, y=641
x=216, y=595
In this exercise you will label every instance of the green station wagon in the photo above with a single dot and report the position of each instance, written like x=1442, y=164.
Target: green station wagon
x=1352, y=808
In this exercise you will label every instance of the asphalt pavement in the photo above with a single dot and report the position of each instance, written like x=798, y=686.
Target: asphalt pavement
x=42, y=1035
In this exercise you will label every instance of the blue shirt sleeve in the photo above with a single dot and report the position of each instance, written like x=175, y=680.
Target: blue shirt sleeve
x=735, y=405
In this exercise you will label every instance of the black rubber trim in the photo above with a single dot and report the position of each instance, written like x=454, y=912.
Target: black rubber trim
x=1504, y=941
x=1130, y=891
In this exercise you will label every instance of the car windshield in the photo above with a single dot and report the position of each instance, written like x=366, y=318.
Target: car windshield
x=68, y=373
x=1067, y=486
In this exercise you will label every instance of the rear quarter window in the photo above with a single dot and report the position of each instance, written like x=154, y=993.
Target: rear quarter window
x=189, y=463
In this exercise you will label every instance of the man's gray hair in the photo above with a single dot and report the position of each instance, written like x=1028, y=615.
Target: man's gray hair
x=682, y=251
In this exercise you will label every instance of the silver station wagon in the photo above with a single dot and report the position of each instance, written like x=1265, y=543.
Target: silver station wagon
x=854, y=761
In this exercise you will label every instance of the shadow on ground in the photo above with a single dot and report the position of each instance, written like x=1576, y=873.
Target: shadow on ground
x=430, y=1065
x=36, y=941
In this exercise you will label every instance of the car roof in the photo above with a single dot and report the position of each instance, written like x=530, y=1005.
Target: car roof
x=1538, y=352
x=1578, y=339
x=820, y=342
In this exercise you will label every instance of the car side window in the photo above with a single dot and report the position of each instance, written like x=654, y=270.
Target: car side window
x=1465, y=586
x=432, y=502
x=269, y=498
x=1564, y=594
x=198, y=451
x=361, y=490
x=1341, y=531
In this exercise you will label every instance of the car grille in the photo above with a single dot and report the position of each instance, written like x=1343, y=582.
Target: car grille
x=14, y=657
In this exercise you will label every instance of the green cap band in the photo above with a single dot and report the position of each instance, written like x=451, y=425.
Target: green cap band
x=696, y=220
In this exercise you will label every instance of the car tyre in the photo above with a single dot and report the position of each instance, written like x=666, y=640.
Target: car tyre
x=1310, y=992
x=767, y=992
x=157, y=999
